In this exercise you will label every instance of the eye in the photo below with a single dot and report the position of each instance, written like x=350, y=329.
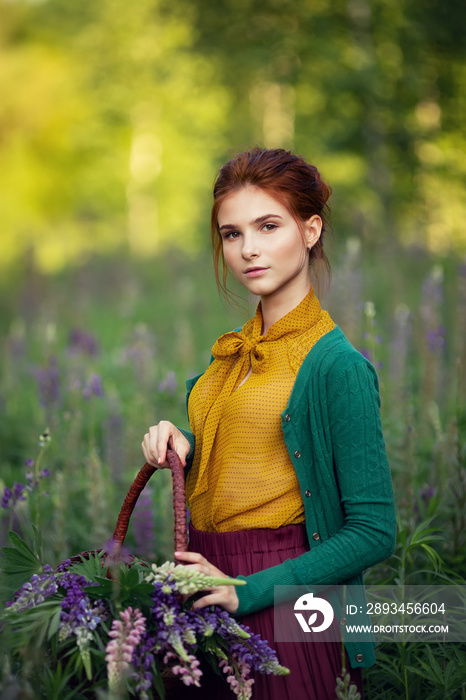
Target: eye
x=231, y=235
x=269, y=227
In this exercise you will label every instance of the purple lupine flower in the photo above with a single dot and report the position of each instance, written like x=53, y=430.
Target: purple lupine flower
x=48, y=383
x=436, y=339
x=82, y=342
x=78, y=616
x=88, y=617
x=431, y=307
x=205, y=621
x=376, y=338
x=426, y=494
x=11, y=497
x=125, y=637
x=35, y=591
x=143, y=658
x=93, y=387
x=169, y=384
x=34, y=479
x=264, y=658
x=168, y=613
x=63, y=566
x=179, y=632
x=116, y=553
x=250, y=648
x=365, y=352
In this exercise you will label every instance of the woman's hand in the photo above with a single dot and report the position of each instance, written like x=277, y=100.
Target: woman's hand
x=219, y=595
x=159, y=439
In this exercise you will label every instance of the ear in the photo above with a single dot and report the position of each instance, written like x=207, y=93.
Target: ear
x=313, y=229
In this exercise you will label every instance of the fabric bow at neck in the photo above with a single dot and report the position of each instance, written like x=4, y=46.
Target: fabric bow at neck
x=237, y=344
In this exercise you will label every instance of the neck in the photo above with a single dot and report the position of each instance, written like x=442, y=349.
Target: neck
x=273, y=309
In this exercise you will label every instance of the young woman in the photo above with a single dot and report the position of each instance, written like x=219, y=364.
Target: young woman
x=288, y=478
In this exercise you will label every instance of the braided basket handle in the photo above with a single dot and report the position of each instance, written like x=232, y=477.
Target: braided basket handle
x=179, y=503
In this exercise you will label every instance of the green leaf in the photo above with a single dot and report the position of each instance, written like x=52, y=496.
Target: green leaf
x=17, y=568
x=54, y=624
x=28, y=628
x=433, y=556
x=13, y=554
x=20, y=544
x=157, y=681
x=14, y=559
x=37, y=541
x=129, y=578
x=91, y=567
x=56, y=682
x=103, y=590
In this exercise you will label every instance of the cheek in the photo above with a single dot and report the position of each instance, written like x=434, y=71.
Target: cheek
x=229, y=255
x=292, y=249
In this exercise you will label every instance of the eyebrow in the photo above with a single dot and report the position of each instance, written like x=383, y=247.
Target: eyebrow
x=259, y=220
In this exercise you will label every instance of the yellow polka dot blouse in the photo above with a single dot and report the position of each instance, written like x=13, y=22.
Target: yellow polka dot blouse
x=242, y=477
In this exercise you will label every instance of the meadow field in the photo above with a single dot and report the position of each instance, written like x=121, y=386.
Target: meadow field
x=92, y=356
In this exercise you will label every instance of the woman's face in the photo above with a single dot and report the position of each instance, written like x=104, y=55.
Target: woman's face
x=263, y=246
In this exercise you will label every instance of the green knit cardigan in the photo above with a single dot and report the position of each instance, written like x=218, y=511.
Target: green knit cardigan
x=333, y=433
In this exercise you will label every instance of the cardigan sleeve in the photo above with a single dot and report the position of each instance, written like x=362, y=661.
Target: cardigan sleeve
x=192, y=444
x=363, y=482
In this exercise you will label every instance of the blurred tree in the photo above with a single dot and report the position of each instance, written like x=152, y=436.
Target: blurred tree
x=131, y=158
x=373, y=91
x=115, y=116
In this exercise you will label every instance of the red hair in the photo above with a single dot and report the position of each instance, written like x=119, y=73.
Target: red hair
x=286, y=177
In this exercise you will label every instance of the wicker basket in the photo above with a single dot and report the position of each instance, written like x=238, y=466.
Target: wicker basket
x=121, y=529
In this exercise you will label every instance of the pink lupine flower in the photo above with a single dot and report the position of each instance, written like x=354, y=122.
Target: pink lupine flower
x=188, y=670
x=238, y=677
x=126, y=635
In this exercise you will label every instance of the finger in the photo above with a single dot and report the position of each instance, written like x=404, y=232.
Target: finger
x=176, y=442
x=146, y=451
x=192, y=557
x=162, y=441
x=210, y=599
x=150, y=440
x=181, y=446
x=219, y=596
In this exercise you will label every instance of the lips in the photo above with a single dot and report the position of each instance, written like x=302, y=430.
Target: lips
x=255, y=271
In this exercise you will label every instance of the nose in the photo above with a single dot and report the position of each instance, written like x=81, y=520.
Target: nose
x=250, y=248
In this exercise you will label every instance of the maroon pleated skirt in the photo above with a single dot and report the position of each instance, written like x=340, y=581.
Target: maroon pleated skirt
x=313, y=666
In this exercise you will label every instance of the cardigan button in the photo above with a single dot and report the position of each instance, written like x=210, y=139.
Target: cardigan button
x=287, y=417
x=297, y=454
x=316, y=536
x=343, y=621
x=307, y=493
x=359, y=657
